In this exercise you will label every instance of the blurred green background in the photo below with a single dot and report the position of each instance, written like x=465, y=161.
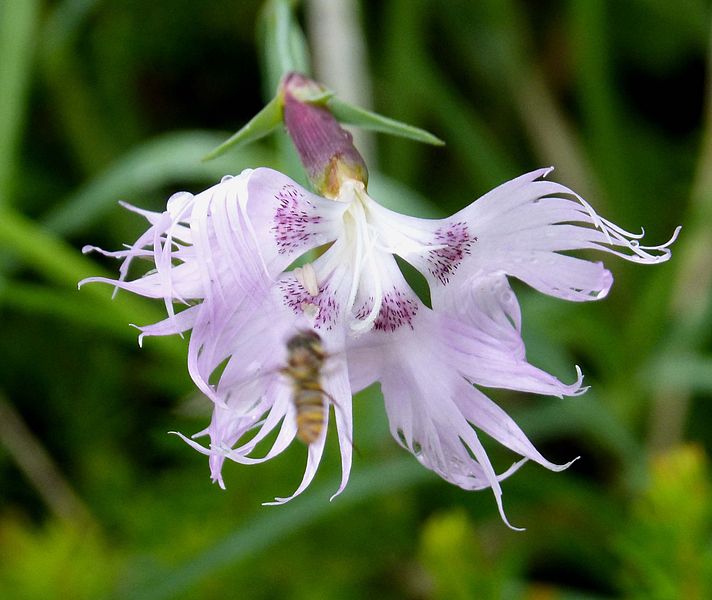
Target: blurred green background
x=107, y=100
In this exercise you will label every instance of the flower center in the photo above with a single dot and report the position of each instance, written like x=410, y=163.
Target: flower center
x=372, y=293
x=360, y=252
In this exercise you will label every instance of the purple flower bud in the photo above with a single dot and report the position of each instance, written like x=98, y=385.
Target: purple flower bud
x=325, y=148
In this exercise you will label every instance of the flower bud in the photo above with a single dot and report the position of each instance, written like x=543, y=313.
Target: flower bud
x=325, y=148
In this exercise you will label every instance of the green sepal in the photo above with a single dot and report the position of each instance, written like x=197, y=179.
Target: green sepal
x=262, y=124
x=321, y=98
x=360, y=117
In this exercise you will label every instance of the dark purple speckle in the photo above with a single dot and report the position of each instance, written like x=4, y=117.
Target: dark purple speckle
x=442, y=263
x=292, y=219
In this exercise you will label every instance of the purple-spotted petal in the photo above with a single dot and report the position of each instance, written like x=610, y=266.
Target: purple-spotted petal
x=519, y=228
x=289, y=219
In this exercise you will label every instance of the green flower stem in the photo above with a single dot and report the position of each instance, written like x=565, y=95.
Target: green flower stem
x=283, y=50
x=283, y=45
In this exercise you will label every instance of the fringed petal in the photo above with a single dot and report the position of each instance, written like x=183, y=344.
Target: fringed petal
x=519, y=228
x=437, y=433
x=487, y=361
x=336, y=383
x=484, y=414
x=289, y=219
x=314, y=454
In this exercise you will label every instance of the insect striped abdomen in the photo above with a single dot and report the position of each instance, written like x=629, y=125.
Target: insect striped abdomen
x=306, y=359
x=310, y=413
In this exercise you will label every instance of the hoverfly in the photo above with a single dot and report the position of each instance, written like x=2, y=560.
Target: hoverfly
x=305, y=361
x=303, y=366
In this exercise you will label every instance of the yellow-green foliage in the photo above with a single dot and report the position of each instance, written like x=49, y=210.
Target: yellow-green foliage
x=666, y=545
x=462, y=564
x=53, y=561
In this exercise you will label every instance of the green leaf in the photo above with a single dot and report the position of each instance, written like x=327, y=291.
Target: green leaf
x=587, y=418
x=76, y=108
x=17, y=42
x=684, y=372
x=663, y=544
x=360, y=117
x=262, y=124
x=166, y=159
x=68, y=306
x=56, y=260
x=605, y=124
x=422, y=89
x=460, y=561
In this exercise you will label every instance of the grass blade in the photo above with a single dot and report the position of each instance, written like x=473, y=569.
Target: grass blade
x=167, y=159
x=17, y=41
x=262, y=124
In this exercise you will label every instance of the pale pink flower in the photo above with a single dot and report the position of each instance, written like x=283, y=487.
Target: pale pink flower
x=224, y=253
